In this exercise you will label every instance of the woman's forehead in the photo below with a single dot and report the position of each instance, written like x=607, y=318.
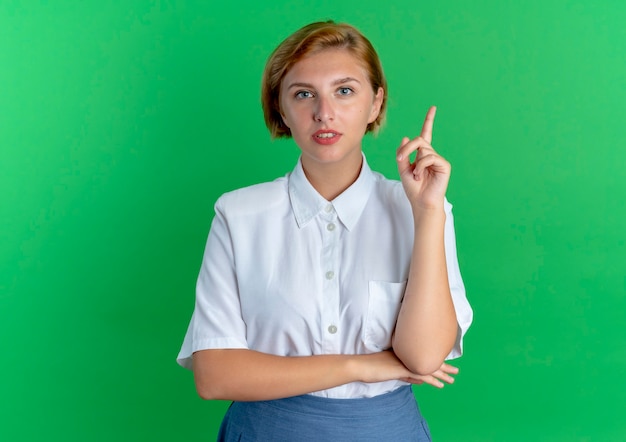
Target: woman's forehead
x=327, y=63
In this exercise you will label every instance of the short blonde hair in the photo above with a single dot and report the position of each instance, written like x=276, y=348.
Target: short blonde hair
x=311, y=39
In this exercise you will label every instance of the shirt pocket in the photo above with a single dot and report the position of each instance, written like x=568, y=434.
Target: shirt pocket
x=383, y=306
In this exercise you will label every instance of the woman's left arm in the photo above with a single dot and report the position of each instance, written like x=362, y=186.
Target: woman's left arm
x=427, y=328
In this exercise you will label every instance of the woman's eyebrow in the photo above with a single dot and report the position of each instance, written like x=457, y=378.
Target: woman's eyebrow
x=298, y=84
x=345, y=80
x=334, y=83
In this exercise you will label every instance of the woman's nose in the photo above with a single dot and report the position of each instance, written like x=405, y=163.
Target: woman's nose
x=324, y=111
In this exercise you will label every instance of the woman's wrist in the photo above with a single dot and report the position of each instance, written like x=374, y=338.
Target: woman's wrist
x=429, y=215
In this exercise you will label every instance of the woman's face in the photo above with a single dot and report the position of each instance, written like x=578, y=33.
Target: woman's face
x=327, y=101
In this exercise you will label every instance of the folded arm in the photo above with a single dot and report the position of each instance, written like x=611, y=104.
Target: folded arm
x=247, y=375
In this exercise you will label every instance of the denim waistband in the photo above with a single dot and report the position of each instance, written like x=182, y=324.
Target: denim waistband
x=345, y=408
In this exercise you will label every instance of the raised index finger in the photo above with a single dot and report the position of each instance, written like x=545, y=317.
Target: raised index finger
x=427, y=128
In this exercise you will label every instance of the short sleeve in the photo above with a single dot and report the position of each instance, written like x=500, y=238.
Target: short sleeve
x=216, y=321
x=464, y=313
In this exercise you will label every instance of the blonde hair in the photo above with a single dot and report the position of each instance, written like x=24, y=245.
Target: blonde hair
x=310, y=39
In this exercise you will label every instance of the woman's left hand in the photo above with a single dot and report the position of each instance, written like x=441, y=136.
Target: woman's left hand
x=426, y=179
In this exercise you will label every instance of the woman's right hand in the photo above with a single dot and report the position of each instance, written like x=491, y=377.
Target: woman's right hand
x=384, y=366
x=438, y=378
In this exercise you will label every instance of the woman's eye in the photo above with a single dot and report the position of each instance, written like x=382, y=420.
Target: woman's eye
x=345, y=91
x=304, y=94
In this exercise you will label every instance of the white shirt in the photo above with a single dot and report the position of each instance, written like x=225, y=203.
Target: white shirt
x=289, y=273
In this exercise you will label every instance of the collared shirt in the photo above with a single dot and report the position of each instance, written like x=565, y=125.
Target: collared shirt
x=289, y=273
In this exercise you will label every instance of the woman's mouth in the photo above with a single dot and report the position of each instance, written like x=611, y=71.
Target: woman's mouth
x=326, y=137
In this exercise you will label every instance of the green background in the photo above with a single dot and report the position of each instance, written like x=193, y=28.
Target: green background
x=121, y=122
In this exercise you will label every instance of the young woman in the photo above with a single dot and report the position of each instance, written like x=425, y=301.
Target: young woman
x=325, y=294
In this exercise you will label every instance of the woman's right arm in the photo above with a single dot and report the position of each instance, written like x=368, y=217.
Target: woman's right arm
x=247, y=375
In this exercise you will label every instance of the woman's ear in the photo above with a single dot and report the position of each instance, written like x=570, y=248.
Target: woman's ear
x=282, y=115
x=377, y=104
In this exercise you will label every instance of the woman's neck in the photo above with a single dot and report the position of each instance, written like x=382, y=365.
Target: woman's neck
x=331, y=180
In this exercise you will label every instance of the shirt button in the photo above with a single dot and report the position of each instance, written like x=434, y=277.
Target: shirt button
x=330, y=227
x=328, y=208
x=330, y=274
x=332, y=329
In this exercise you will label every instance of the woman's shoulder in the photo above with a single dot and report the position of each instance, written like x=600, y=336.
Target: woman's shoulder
x=388, y=189
x=254, y=198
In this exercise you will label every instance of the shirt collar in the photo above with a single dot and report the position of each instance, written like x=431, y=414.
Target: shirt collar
x=306, y=202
